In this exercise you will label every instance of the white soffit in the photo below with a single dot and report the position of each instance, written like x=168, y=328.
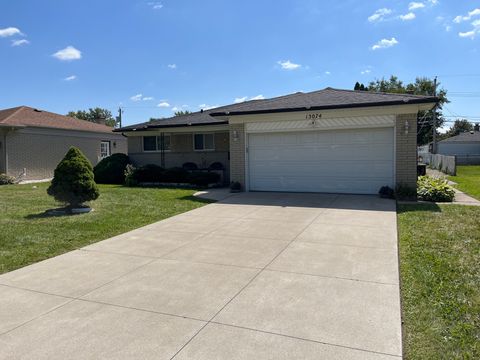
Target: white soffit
x=323, y=124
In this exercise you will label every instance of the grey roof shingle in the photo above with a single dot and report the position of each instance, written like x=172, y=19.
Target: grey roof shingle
x=328, y=98
x=464, y=137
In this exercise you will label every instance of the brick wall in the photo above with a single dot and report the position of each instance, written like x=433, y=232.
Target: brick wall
x=406, y=150
x=2, y=152
x=237, y=154
x=182, y=152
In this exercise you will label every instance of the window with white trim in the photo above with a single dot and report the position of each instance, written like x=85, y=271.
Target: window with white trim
x=202, y=142
x=154, y=143
x=104, y=149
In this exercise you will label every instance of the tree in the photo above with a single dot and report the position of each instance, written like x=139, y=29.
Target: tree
x=182, y=112
x=459, y=126
x=73, y=181
x=96, y=115
x=360, y=87
x=421, y=86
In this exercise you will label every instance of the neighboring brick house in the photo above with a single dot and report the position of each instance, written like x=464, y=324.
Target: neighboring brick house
x=330, y=140
x=32, y=141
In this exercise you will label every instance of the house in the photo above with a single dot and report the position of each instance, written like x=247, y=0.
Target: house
x=32, y=141
x=331, y=140
x=465, y=146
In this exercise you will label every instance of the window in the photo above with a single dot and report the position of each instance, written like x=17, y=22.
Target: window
x=104, y=149
x=203, y=142
x=154, y=143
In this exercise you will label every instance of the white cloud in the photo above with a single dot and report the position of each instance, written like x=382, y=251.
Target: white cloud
x=174, y=109
x=258, y=97
x=207, y=107
x=245, y=98
x=385, y=43
x=472, y=33
x=327, y=72
x=458, y=19
x=137, y=97
x=147, y=98
x=10, y=31
x=70, y=78
x=379, y=15
x=68, y=54
x=468, y=34
x=240, y=99
x=155, y=5
x=415, y=5
x=20, y=42
x=288, y=65
x=164, y=104
x=366, y=71
x=406, y=17
x=172, y=66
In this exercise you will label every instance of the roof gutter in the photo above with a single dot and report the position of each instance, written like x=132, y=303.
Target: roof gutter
x=328, y=107
x=146, y=127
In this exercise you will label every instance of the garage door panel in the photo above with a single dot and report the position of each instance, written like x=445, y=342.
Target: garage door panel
x=324, y=169
x=348, y=161
x=307, y=184
x=322, y=153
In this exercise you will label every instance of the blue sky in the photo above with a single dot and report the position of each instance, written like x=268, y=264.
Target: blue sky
x=151, y=57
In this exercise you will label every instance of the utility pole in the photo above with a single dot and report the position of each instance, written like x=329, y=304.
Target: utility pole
x=434, y=135
x=119, y=117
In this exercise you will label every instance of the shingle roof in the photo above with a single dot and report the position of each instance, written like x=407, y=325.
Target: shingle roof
x=26, y=116
x=193, y=119
x=464, y=137
x=328, y=98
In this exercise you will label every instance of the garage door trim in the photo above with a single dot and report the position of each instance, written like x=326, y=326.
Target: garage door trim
x=253, y=129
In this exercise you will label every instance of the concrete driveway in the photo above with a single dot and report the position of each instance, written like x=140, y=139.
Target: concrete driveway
x=255, y=276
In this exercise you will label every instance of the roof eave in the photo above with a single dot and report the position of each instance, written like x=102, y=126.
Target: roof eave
x=147, y=127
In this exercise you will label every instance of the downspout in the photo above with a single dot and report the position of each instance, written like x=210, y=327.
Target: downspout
x=5, y=156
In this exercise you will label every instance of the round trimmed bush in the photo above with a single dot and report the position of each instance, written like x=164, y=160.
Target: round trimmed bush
x=73, y=181
x=111, y=170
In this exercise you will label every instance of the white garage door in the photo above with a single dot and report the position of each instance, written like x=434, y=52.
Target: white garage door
x=357, y=161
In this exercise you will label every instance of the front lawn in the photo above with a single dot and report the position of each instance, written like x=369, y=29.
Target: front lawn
x=28, y=236
x=468, y=180
x=439, y=249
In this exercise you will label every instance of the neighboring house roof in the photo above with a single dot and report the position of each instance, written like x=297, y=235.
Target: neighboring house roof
x=328, y=98
x=473, y=136
x=23, y=116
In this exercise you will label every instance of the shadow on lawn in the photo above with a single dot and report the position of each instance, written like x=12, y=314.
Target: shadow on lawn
x=404, y=208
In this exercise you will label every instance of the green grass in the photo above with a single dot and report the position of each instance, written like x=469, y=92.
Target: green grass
x=28, y=236
x=468, y=180
x=440, y=280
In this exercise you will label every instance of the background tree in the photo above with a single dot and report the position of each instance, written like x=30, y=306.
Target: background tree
x=73, y=180
x=96, y=115
x=459, y=126
x=182, y=112
x=421, y=86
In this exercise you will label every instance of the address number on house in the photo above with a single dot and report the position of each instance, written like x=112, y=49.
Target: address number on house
x=313, y=116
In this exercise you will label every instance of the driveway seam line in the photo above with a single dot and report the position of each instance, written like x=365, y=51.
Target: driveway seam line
x=303, y=339
x=251, y=280
x=332, y=277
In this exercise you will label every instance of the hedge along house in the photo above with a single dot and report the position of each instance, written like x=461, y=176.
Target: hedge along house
x=33, y=142
x=337, y=141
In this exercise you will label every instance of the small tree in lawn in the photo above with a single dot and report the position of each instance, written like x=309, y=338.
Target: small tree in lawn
x=73, y=182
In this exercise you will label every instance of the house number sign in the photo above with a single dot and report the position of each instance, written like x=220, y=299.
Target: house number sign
x=313, y=116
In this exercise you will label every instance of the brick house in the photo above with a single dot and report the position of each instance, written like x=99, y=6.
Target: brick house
x=331, y=140
x=32, y=141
